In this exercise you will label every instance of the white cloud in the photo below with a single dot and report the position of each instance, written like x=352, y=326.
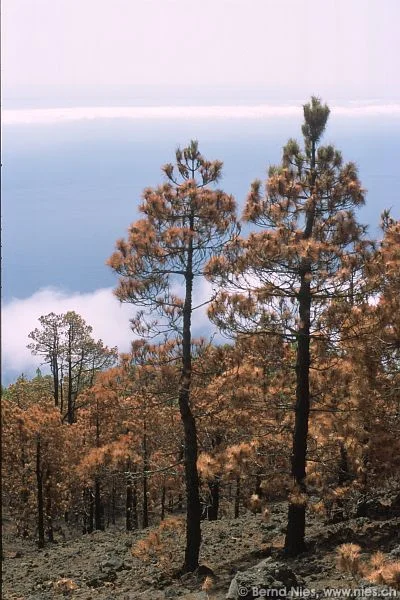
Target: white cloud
x=100, y=309
x=43, y=116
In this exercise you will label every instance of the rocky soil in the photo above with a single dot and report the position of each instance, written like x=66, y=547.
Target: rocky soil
x=241, y=552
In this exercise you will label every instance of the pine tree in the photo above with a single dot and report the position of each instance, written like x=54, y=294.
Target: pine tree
x=185, y=223
x=66, y=344
x=310, y=250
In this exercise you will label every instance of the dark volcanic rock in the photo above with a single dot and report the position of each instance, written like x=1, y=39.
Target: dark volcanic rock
x=266, y=575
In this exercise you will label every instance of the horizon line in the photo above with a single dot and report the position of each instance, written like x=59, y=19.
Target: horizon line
x=47, y=116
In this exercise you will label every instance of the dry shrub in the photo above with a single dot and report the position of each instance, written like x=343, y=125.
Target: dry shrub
x=255, y=504
x=266, y=515
x=375, y=576
x=385, y=573
x=207, y=466
x=391, y=574
x=162, y=544
x=277, y=542
x=377, y=560
x=318, y=508
x=297, y=497
x=314, y=478
x=65, y=586
x=349, y=558
x=276, y=486
x=208, y=584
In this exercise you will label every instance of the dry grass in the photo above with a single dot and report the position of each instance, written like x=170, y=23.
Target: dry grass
x=208, y=585
x=163, y=543
x=387, y=573
x=348, y=559
x=266, y=515
x=65, y=586
x=255, y=504
x=379, y=569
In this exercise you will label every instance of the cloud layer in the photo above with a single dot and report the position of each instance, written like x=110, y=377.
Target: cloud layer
x=100, y=309
x=263, y=111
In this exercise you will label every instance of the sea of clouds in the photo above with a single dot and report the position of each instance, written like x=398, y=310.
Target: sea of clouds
x=262, y=111
x=109, y=318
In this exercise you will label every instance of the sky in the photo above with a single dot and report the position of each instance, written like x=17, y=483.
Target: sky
x=96, y=47
x=109, y=318
x=175, y=61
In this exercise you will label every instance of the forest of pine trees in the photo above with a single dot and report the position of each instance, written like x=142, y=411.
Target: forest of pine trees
x=297, y=398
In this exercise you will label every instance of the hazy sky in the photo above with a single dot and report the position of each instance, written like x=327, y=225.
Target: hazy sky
x=351, y=46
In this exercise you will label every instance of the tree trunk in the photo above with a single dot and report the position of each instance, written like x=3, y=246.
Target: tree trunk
x=129, y=506
x=145, y=507
x=295, y=533
x=294, y=543
x=193, y=507
x=91, y=510
x=237, y=498
x=22, y=526
x=62, y=391
x=113, y=502
x=257, y=486
x=39, y=482
x=84, y=513
x=214, y=494
x=362, y=501
x=135, y=519
x=88, y=510
x=163, y=497
x=344, y=471
x=98, y=508
x=70, y=407
x=49, y=518
x=54, y=368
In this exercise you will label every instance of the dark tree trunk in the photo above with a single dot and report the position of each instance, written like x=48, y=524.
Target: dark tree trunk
x=295, y=533
x=113, y=502
x=214, y=496
x=39, y=483
x=98, y=507
x=91, y=510
x=70, y=406
x=163, y=497
x=214, y=486
x=54, y=369
x=49, y=518
x=344, y=471
x=135, y=519
x=88, y=510
x=229, y=492
x=294, y=542
x=24, y=493
x=193, y=506
x=237, y=498
x=78, y=375
x=84, y=512
x=62, y=393
x=362, y=501
x=257, y=487
x=129, y=506
x=145, y=506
